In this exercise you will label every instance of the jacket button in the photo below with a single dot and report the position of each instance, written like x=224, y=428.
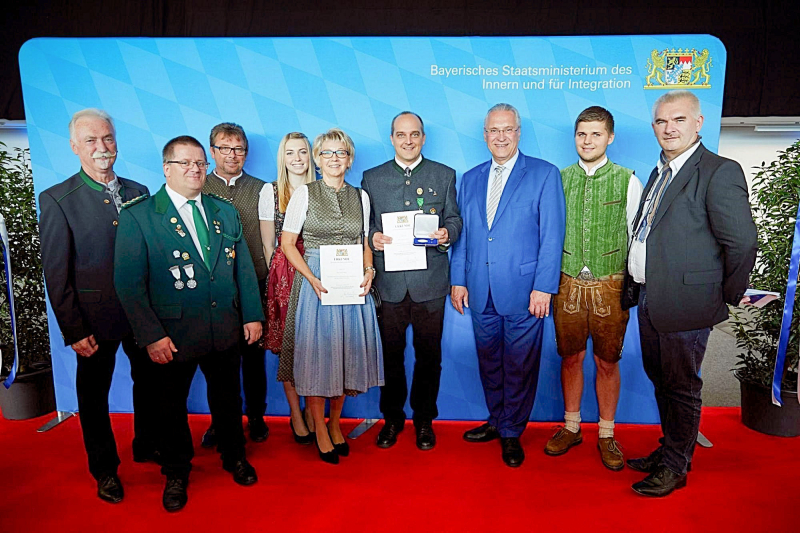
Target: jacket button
x=106, y=201
x=213, y=304
x=116, y=223
x=212, y=278
x=491, y=239
x=408, y=202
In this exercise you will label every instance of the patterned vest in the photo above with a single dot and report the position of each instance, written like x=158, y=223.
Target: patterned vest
x=332, y=217
x=597, y=232
x=244, y=196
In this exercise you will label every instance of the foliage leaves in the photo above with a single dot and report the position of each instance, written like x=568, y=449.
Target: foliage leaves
x=776, y=192
x=18, y=206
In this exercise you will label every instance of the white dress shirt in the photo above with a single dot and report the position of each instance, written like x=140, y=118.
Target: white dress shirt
x=266, y=199
x=637, y=256
x=181, y=203
x=412, y=166
x=508, y=166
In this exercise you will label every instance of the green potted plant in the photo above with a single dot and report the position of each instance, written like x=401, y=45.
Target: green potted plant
x=776, y=192
x=31, y=394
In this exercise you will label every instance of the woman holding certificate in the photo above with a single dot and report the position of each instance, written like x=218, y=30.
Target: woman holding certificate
x=334, y=339
x=294, y=171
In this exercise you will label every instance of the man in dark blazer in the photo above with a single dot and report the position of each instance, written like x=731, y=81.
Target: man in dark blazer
x=692, y=250
x=186, y=280
x=505, y=269
x=78, y=226
x=409, y=182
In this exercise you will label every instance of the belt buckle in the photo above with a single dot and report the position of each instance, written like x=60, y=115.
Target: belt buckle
x=585, y=276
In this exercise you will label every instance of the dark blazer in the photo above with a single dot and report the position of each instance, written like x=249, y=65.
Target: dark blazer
x=522, y=251
x=78, y=226
x=388, y=193
x=198, y=320
x=702, y=244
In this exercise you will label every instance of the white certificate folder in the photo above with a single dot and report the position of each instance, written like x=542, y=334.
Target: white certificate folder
x=341, y=271
x=401, y=254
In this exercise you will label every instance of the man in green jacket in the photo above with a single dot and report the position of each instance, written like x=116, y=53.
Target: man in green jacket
x=187, y=283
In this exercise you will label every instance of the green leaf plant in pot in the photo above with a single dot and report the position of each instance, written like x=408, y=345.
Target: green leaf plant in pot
x=31, y=394
x=775, y=197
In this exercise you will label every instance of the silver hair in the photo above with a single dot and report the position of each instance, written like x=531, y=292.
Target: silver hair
x=674, y=96
x=503, y=107
x=90, y=112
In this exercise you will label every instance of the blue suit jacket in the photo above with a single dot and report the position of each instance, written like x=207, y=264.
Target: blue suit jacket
x=522, y=251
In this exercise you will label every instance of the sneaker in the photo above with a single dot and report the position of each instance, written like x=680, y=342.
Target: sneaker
x=562, y=441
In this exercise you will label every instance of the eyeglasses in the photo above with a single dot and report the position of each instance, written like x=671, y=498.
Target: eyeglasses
x=225, y=150
x=495, y=132
x=202, y=165
x=327, y=154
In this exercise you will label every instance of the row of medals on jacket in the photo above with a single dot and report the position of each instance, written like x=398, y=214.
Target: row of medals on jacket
x=189, y=267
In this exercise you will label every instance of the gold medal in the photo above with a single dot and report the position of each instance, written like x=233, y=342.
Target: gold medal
x=185, y=256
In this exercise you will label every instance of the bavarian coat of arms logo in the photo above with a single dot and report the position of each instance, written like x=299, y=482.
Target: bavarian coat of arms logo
x=683, y=68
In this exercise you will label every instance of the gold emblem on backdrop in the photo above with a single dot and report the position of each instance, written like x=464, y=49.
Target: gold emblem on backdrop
x=683, y=68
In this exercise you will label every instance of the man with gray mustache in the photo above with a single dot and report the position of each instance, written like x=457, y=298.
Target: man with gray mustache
x=78, y=227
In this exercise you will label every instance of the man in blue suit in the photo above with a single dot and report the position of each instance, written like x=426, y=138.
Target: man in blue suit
x=507, y=263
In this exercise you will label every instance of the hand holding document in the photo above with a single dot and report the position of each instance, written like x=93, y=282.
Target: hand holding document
x=401, y=254
x=760, y=298
x=341, y=271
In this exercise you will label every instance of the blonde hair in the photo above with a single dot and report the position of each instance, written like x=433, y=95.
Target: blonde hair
x=337, y=135
x=284, y=192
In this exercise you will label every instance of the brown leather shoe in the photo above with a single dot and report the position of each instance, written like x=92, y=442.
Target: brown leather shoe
x=562, y=441
x=611, y=454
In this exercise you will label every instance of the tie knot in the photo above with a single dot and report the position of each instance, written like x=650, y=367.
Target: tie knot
x=191, y=202
x=498, y=170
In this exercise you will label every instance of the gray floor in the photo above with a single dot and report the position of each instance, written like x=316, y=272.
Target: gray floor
x=720, y=388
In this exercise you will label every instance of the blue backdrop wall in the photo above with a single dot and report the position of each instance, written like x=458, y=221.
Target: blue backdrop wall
x=157, y=89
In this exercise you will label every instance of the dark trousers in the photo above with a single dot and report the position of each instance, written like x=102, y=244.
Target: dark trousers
x=92, y=383
x=171, y=383
x=426, y=319
x=672, y=362
x=509, y=351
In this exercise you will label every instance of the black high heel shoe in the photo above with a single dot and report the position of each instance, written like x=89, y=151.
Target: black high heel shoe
x=301, y=439
x=342, y=448
x=329, y=457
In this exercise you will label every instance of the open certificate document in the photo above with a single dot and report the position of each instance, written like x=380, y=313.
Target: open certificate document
x=341, y=271
x=401, y=254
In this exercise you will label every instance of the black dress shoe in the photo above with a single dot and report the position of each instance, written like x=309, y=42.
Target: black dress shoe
x=174, y=498
x=649, y=464
x=513, y=454
x=258, y=429
x=482, y=433
x=243, y=472
x=145, y=456
x=301, y=439
x=388, y=435
x=342, y=449
x=109, y=488
x=426, y=438
x=209, y=438
x=660, y=483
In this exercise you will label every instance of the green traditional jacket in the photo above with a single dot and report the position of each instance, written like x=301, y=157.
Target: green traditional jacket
x=597, y=228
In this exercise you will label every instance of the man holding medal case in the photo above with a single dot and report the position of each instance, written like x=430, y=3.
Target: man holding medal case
x=187, y=283
x=410, y=182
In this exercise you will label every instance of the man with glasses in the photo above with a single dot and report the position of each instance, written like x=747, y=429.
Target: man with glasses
x=251, y=197
x=410, y=182
x=186, y=280
x=504, y=269
x=78, y=227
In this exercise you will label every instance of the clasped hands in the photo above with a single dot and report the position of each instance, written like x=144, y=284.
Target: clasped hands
x=539, y=305
x=161, y=351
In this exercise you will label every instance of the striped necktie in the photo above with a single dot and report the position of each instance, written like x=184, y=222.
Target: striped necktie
x=202, y=232
x=658, y=193
x=494, y=195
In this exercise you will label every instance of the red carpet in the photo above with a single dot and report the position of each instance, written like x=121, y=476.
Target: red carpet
x=746, y=482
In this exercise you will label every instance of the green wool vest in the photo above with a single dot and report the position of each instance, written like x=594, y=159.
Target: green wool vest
x=597, y=232
x=244, y=196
